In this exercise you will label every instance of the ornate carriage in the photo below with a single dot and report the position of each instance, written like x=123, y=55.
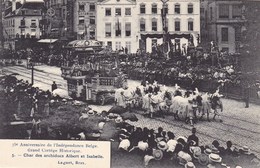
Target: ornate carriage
x=91, y=73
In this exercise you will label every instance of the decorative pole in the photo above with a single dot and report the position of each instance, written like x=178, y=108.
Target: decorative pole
x=165, y=31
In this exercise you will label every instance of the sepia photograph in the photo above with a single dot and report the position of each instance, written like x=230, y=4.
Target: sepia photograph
x=130, y=83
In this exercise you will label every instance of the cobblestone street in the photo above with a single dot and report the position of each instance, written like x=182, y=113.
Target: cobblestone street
x=241, y=125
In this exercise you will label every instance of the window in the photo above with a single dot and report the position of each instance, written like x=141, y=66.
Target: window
x=81, y=7
x=108, y=11
x=92, y=35
x=33, y=22
x=142, y=8
x=128, y=11
x=109, y=43
x=177, y=25
x=118, y=45
x=128, y=46
x=223, y=11
x=23, y=22
x=118, y=12
x=33, y=34
x=165, y=8
x=142, y=25
x=81, y=20
x=128, y=29
x=118, y=29
x=108, y=29
x=154, y=25
x=224, y=34
x=92, y=7
x=190, y=8
x=92, y=20
x=190, y=25
x=236, y=11
x=177, y=9
x=17, y=35
x=27, y=35
x=154, y=9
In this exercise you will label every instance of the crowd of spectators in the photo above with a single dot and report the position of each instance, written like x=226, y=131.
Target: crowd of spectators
x=185, y=152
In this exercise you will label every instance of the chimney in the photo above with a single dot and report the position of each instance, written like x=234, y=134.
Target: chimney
x=13, y=5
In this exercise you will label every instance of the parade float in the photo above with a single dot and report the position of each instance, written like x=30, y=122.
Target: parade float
x=91, y=71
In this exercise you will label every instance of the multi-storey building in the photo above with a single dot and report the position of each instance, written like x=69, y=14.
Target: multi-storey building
x=225, y=20
x=117, y=24
x=250, y=39
x=204, y=23
x=85, y=19
x=59, y=19
x=22, y=21
x=141, y=20
x=182, y=21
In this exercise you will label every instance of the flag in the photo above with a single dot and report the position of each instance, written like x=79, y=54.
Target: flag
x=118, y=32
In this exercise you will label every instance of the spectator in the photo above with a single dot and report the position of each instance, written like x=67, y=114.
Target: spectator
x=54, y=86
x=228, y=150
x=216, y=144
x=193, y=138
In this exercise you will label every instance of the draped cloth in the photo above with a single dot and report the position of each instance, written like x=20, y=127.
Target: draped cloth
x=160, y=35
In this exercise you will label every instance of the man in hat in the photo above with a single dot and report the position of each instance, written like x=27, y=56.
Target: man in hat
x=193, y=138
x=54, y=86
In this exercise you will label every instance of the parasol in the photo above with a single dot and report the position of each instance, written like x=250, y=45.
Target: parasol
x=60, y=92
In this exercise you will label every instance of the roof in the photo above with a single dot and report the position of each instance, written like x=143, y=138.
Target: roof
x=33, y=5
x=84, y=44
x=47, y=41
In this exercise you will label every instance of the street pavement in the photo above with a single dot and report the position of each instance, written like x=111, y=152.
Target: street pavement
x=241, y=125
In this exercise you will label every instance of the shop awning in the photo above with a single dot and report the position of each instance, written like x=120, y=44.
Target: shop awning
x=49, y=41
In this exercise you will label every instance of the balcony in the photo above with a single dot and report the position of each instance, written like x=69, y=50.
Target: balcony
x=82, y=13
x=33, y=26
x=22, y=26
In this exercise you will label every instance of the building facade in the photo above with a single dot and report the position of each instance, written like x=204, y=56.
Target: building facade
x=22, y=21
x=58, y=19
x=182, y=21
x=117, y=24
x=225, y=21
x=140, y=23
x=85, y=19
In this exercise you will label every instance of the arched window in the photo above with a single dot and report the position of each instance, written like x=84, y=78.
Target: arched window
x=17, y=35
x=190, y=24
x=154, y=8
x=27, y=35
x=154, y=24
x=177, y=24
x=142, y=24
x=177, y=8
x=142, y=8
x=190, y=8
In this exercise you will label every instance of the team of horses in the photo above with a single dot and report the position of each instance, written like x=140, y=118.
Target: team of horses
x=182, y=104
